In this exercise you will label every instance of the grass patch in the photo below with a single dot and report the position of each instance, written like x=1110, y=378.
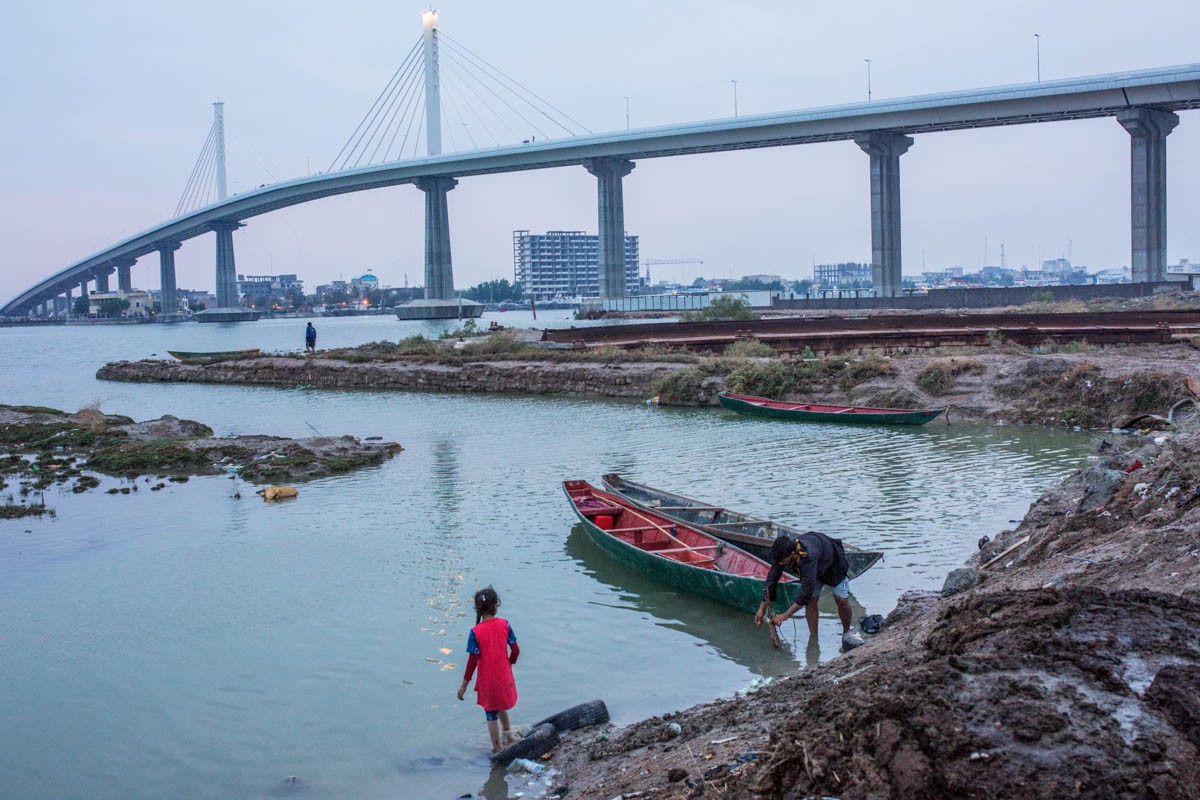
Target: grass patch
x=1054, y=389
x=35, y=410
x=863, y=370
x=34, y=437
x=895, y=398
x=16, y=511
x=938, y=378
x=158, y=457
x=749, y=348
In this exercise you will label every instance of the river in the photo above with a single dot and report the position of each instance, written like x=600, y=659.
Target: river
x=196, y=643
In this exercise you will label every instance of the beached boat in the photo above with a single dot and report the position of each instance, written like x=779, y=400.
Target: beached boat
x=752, y=534
x=214, y=357
x=673, y=552
x=815, y=412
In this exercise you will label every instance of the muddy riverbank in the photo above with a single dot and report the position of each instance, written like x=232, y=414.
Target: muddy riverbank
x=46, y=446
x=1071, y=386
x=1064, y=661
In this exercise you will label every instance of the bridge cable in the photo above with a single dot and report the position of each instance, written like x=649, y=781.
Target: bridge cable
x=511, y=108
x=394, y=107
x=208, y=142
x=488, y=106
x=207, y=158
x=410, y=108
x=363, y=122
x=384, y=105
x=564, y=115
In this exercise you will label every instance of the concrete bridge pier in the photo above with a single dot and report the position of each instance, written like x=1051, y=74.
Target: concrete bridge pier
x=166, y=274
x=1148, y=130
x=439, y=271
x=609, y=172
x=101, y=277
x=70, y=302
x=227, y=309
x=885, y=150
x=439, y=301
x=124, y=278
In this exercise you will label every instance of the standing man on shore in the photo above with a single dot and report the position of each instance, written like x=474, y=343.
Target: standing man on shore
x=310, y=339
x=816, y=560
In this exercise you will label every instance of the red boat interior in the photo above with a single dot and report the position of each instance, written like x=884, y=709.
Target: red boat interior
x=658, y=535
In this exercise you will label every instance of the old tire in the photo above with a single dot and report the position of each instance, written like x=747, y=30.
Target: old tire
x=580, y=716
x=534, y=744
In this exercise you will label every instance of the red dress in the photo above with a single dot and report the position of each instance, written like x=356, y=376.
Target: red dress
x=495, y=687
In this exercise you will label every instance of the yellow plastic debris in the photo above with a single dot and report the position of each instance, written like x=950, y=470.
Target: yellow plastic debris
x=279, y=492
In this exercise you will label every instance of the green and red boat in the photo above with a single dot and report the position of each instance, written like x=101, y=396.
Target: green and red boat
x=752, y=534
x=215, y=357
x=672, y=552
x=815, y=412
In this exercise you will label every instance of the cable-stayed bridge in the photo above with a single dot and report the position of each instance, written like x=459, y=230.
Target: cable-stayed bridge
x=408, y=117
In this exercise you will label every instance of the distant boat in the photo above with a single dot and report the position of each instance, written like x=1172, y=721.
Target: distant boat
x=673, y=552
x=815, y=412
x=752, y=534
x=214, y=357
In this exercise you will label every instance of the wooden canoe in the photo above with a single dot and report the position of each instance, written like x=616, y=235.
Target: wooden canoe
x=752, y=534
x=214, y=357
x=672, y=552
x=814, y=412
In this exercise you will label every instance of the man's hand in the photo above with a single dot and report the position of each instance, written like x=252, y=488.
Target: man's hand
x=758, y=618
x=462, y=690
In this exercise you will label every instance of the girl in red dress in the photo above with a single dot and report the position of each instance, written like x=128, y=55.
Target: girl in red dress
x=492, y=646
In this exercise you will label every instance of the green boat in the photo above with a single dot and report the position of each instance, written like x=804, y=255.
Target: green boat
x=813, y=412
x=752, y=534
x=214, y=357
x=674, y=553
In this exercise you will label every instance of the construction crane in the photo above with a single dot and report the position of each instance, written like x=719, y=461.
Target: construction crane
x=646, y=262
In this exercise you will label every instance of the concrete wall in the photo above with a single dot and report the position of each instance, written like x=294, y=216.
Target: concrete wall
x=980, y=298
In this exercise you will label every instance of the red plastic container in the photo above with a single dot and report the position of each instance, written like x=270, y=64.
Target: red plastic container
x=603, y=521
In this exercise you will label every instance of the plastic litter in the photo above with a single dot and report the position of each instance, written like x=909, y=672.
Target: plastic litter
x=279, y=492
x=525, y=765
x=756, y=684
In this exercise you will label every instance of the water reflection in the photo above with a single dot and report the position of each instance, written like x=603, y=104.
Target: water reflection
x=730, y=632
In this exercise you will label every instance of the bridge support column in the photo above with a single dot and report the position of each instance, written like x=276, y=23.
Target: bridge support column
x=101, y=276
x=439, y=272
x=70, y=302
x=885, y=150
x=166, y=274
x=124, y=279
x=227, y=294
x=1148, y=130
x=609, y=172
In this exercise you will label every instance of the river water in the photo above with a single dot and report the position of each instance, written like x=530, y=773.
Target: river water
x=194, y=643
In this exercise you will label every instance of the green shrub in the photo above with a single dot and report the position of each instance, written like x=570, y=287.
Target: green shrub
x=680, y=387
x=136, y=458
x=723, y=308
x=749, y=348
x=894, y=398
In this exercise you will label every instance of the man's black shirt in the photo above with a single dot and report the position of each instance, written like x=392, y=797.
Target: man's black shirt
x=825, y=563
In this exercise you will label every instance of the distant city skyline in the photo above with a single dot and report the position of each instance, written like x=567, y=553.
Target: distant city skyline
x=112, y=105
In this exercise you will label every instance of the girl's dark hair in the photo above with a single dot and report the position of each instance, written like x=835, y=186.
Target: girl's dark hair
x=486, y=602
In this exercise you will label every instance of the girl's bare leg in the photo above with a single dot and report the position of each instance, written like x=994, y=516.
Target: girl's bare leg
x=504, y=727
x=494, y=732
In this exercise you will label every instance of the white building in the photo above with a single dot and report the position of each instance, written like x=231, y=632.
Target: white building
x=565, y=264
x=140, y=302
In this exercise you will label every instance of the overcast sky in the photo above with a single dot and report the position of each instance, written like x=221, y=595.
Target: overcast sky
x=107, y=106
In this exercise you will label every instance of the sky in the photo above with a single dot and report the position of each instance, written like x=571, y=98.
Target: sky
x=108, y=105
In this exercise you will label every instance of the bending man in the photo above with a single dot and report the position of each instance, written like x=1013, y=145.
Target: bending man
x=815, y=559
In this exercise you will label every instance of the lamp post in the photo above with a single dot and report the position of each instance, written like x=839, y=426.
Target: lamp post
x=1037, y=37
x=735, y=111
x=626, y=113
x=868, y=78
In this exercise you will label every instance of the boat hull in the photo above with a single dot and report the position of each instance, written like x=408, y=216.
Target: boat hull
x=738, y=591
x=797, y=412
x=214, y=357
x=751, y=534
